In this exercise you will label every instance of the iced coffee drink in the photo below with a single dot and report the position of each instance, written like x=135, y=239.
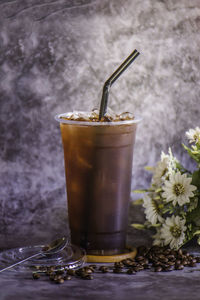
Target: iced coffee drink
x=98, y=166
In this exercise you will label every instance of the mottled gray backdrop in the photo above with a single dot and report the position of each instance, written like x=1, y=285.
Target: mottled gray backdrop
x=55, y=57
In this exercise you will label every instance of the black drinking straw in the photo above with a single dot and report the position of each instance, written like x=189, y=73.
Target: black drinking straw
x=112, y=79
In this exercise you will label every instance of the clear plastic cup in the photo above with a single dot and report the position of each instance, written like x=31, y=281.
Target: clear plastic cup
x=98, y=167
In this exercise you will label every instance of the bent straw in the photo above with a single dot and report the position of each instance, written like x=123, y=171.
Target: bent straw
x=112, y=79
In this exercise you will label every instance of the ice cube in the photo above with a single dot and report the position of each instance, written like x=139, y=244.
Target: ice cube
x=94, y=115
x=126, y=116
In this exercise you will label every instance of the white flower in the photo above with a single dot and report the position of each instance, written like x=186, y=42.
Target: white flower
x=172, y=161
x=151, y=210
x=193, y=135
x=164, y=168
x=158, y=241
x=178, y=189
x=159, y=171
x=173, y=232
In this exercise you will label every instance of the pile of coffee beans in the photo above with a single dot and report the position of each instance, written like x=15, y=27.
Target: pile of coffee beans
x=157, y=259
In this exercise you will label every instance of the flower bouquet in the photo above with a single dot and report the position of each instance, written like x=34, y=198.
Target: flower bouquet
x=172, y=203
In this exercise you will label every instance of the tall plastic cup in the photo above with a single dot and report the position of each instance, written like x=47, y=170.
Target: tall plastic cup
x=98, y=168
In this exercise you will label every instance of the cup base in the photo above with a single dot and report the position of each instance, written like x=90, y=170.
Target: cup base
x=129, y=252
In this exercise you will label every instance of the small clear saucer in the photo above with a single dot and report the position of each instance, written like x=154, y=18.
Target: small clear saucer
x=69, y=258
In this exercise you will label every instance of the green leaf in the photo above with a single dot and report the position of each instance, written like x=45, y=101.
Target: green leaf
x=140, y=191
x=196, y=179
x=137, y=202
x=194, y=215
x=196, y=232
x=138, y=226
x=156, y=225
x=156, y=198
x=195, y=156
x=158, y=190
x=148, y=168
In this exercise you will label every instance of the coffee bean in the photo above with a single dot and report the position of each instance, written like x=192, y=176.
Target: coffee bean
x=171, y=263
x=36, y=276
x=178, y=261
x=185, y=262
x=87, y=277
x=130, y=271
x=197, y=259
x=192, y=264
x=180, y=252
x=146, y=266
x=117, y=270
x=136, y=269
x=119, y=264
x=48, y=273
x=168, y=268
x=139, y=258
x=133, y=264
x=164, y=259
x=103, y=269
x=60, y=280
x=179, y=267
x=144, y=261
x=67, y=277
x=71, y=272
x=89, y=271
x=93, y=266
x=171, y=257
x=51, y=277
x=158, y=269
x=59, y=272
x=167, y=252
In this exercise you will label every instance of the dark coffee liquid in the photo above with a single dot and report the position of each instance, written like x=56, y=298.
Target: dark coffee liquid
x=98, y=166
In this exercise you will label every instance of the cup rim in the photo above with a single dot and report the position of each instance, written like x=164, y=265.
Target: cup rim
x=137, y=119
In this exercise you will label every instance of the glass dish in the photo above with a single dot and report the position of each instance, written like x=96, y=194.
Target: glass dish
x=69, y=258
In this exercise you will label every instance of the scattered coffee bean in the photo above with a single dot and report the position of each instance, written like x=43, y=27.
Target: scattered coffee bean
x=117, y=270
x=146, y=266
x=118, y=264
x=71, y=272
x=36, y=276
x=67, y=277
x=103, y=269
x=60, y=272
x=131, y=271
x=87, y=277
x=60, y=280
x=139, y=258
x=179, y=267
x=168, y=268
x=158, y=269
x=51, y=277
x=171, y=263
x=192, y=264
x=93, y=266
x=160, y=259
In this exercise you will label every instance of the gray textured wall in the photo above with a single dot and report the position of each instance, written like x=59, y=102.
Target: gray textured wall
x=55, y=57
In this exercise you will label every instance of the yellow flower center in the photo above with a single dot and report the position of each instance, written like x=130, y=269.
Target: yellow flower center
x=175, y=231
x=178, y=189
